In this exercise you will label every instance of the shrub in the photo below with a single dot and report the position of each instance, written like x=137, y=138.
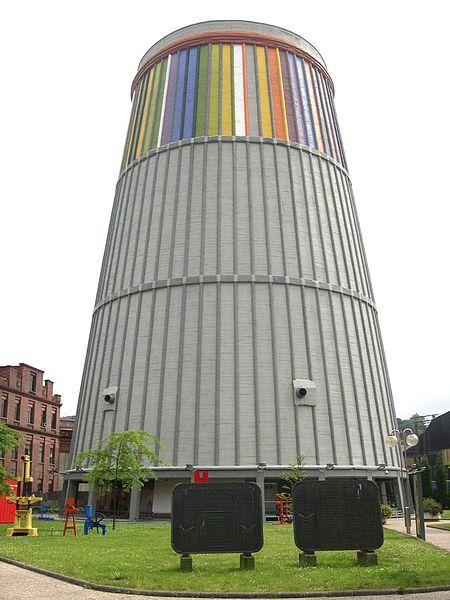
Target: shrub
x=431, y=506
x=441, y=480
x=386, y=511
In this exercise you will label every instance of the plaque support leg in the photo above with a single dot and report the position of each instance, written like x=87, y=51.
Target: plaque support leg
x=307, y=559
x=247, y=561
x=186, y=562
x=366, y=558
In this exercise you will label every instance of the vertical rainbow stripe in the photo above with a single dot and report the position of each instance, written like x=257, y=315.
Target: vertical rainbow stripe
x=239, y=93
x=233, y=90
x=214, y=78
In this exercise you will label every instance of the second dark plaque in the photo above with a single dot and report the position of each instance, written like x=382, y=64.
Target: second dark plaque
x=337, y=515
x=217, y=518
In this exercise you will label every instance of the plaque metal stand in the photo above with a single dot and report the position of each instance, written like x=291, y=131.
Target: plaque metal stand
x=307, y=559
x=186, y=562
x=366, y=558
x=247, y=561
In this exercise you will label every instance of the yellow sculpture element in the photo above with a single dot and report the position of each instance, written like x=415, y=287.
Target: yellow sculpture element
x=24, y=499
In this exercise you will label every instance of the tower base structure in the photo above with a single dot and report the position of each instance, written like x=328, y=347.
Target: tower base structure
x=154, y=500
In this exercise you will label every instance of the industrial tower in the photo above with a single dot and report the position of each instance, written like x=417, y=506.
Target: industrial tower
x=235, y=317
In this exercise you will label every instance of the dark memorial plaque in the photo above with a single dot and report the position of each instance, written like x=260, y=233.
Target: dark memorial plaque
x=337, y=515
x=217, y=517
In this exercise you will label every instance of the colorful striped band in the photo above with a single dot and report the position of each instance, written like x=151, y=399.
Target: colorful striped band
x=233, y=90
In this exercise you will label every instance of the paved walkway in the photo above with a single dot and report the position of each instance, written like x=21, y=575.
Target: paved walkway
x=21, y=584
x=437, y=537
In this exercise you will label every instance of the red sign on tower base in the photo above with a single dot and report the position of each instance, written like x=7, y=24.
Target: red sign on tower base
x=201, y=476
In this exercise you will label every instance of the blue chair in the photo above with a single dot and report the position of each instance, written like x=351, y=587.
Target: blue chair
x=92, y=522
x=42, y=513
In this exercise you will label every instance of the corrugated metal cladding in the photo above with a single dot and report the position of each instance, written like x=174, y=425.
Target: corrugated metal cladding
x=233, y=89
x=233, y=266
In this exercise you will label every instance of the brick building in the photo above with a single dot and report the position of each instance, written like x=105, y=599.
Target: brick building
x=28, y=405
x=66, y=425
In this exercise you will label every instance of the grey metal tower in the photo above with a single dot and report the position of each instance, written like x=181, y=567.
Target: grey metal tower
x=235, y=317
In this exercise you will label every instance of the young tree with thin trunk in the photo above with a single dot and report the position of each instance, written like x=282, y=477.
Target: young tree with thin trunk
x=120, y=463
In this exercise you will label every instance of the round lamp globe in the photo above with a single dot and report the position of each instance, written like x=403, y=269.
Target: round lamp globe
x=391, y=441
x=412, y=440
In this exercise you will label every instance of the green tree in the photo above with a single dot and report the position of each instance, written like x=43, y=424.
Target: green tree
x=415, y=422
x=119, y=463
x=441, y=492
x=296, y=474
x=8, y=439
x=418, y=423
x=427, y=485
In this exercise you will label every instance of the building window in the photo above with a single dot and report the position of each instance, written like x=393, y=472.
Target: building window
x=44, y=416
x=2, y=456
x=52, y=455
x=15, y=453
x=50, y=485
x=41, y=454
x=17, y=410
x=30, y=413
x=29, y=448
x=53, y=419
x=33, y=378
x=4, y=406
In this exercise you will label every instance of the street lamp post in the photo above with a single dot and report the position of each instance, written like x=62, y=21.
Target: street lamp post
x=407, y=439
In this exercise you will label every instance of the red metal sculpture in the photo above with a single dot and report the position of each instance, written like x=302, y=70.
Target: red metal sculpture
x=70, y=510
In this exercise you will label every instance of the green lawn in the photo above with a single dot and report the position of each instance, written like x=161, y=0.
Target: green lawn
x=440, y=526
x=446, y=514
x=140, y=556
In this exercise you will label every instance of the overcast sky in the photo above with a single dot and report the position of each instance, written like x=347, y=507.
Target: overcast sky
x=67, y=68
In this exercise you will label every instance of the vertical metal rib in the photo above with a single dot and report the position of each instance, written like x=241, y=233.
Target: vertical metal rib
x=107, y=339
x=355, y=388
x=272, y=330
x=112, y=222
x=377, y=396
x=235, y=318
x=253, y=308
x=286, y=289
x=126, y=181
x=364, y=377
x=143, y=199
x=119, y=242
x=82, y=403
x=128, y=234
x=119, y=369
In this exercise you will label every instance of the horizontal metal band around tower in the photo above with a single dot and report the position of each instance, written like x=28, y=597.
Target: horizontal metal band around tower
x=227, y=278
x=232, y=138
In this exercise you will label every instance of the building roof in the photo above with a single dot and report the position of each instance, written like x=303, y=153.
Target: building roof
x=436, y=436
